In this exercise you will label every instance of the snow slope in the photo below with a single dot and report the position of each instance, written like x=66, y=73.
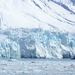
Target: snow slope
x=37, y=28
x=35, y=13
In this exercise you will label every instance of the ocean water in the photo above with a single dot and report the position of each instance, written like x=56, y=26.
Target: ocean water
x=37, y=67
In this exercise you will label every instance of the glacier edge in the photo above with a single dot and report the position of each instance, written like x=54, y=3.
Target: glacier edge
x=36, y=43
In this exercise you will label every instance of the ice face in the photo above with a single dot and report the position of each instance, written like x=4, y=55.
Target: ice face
x=36, y=42
x=8, y=48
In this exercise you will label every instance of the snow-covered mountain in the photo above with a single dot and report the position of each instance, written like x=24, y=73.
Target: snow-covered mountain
x=34, y=13
x=37, y=28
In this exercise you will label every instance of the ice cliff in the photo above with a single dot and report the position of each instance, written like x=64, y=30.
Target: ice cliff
x=36, y=43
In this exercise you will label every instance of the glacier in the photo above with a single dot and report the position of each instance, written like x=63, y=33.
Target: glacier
x=36, y=43
x=8, y=48
x=37, y=29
